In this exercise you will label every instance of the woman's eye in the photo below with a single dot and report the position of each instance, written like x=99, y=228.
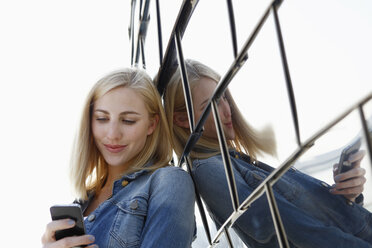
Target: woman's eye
x=101, y=119
x=129, y=122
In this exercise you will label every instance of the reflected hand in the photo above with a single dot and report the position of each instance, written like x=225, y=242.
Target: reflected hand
x=350, y=184
x=48, y=239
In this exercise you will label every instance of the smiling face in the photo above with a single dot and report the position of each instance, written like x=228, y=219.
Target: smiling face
x=201, y=94
x=120, y=126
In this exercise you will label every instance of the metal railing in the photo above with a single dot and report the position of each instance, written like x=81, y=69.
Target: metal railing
x=174, y=58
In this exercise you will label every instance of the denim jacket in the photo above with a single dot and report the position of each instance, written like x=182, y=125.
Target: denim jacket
x=146, y=210
x=311, y=215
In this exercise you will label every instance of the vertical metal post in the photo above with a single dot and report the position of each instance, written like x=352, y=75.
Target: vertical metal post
x=140, y=9
x=280, y=232
x=286, y=72
x=131, y=30
x=138, y=47
x=199, y=202
x=226, y=157
x=143, y=52
x=228, y=238
x=160, y=39
x=232, y=27
x=186, y=86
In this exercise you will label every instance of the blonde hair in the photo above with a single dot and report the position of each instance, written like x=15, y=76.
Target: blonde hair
x=247, y=139
x=88, y=169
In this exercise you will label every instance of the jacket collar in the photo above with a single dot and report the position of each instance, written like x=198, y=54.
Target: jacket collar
x=128, y=177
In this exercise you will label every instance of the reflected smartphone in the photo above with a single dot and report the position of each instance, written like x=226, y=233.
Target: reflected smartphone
x=344, y=165
x=68, y=211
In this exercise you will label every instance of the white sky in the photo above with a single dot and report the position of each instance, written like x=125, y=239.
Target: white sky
x=52, y=52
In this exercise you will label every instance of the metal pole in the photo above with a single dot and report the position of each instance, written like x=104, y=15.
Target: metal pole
x=226, y=157
x=279, y=228
x=186, y=86
x=286, y=73
x=160, y=39
x=228, y=238
x=131, y=30
x=232, y=27
x=199, y=202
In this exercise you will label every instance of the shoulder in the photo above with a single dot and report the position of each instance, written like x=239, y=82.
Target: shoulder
x=171, y=176
x=169, y=184
x=216, y=159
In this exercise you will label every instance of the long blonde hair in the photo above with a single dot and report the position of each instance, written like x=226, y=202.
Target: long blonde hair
x=247, y=139
x=88, y=169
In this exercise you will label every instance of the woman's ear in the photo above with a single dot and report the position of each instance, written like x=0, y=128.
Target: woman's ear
x=153, y=123
x=180, y=119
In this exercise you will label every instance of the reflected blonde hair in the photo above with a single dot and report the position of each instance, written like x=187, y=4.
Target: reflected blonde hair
x=247, y=139
x=88, y=169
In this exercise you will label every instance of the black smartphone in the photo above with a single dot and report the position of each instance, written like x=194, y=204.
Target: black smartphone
x=68, y=211
x=344, y=165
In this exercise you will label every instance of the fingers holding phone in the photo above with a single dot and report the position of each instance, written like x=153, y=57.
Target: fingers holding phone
x=350, y=182
x=67, y=228
x=49, y=241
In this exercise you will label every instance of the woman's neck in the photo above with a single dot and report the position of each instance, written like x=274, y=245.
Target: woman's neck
x=114, y=173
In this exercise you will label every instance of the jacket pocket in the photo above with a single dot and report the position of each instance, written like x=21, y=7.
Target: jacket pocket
x=128, y=224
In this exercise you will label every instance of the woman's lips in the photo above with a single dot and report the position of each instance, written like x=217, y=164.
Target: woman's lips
x=229, y=124
x=115, y=148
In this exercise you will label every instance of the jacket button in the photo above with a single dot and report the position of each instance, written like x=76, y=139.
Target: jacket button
x=134, y=205
x=91, y=217
x=124, y=183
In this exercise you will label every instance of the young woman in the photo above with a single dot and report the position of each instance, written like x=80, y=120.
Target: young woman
x=314, y=214
x=120, y=171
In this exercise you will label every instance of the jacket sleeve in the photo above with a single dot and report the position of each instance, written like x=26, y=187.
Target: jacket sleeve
x=170, y=218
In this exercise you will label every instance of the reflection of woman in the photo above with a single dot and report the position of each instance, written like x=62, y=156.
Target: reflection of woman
x=120, y=171
x=313, y=213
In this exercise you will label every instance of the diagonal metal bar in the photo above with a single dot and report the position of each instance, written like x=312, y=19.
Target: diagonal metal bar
x=232, y=27
x=169, y=65
x=279, y=228
x=144, y=18
x=199, y=202
x=185, y=82
x=226, y=157
x=286, y=73
x=137, y=48
x=160, y=36
x=367, y=132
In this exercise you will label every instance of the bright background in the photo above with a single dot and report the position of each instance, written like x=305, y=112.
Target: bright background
x=52, y=52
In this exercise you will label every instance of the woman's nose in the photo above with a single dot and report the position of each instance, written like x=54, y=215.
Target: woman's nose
x=114, y=131
x=225, y=108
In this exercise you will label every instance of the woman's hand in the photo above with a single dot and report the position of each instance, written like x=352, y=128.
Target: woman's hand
x=350, y=184
x=48, y=240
